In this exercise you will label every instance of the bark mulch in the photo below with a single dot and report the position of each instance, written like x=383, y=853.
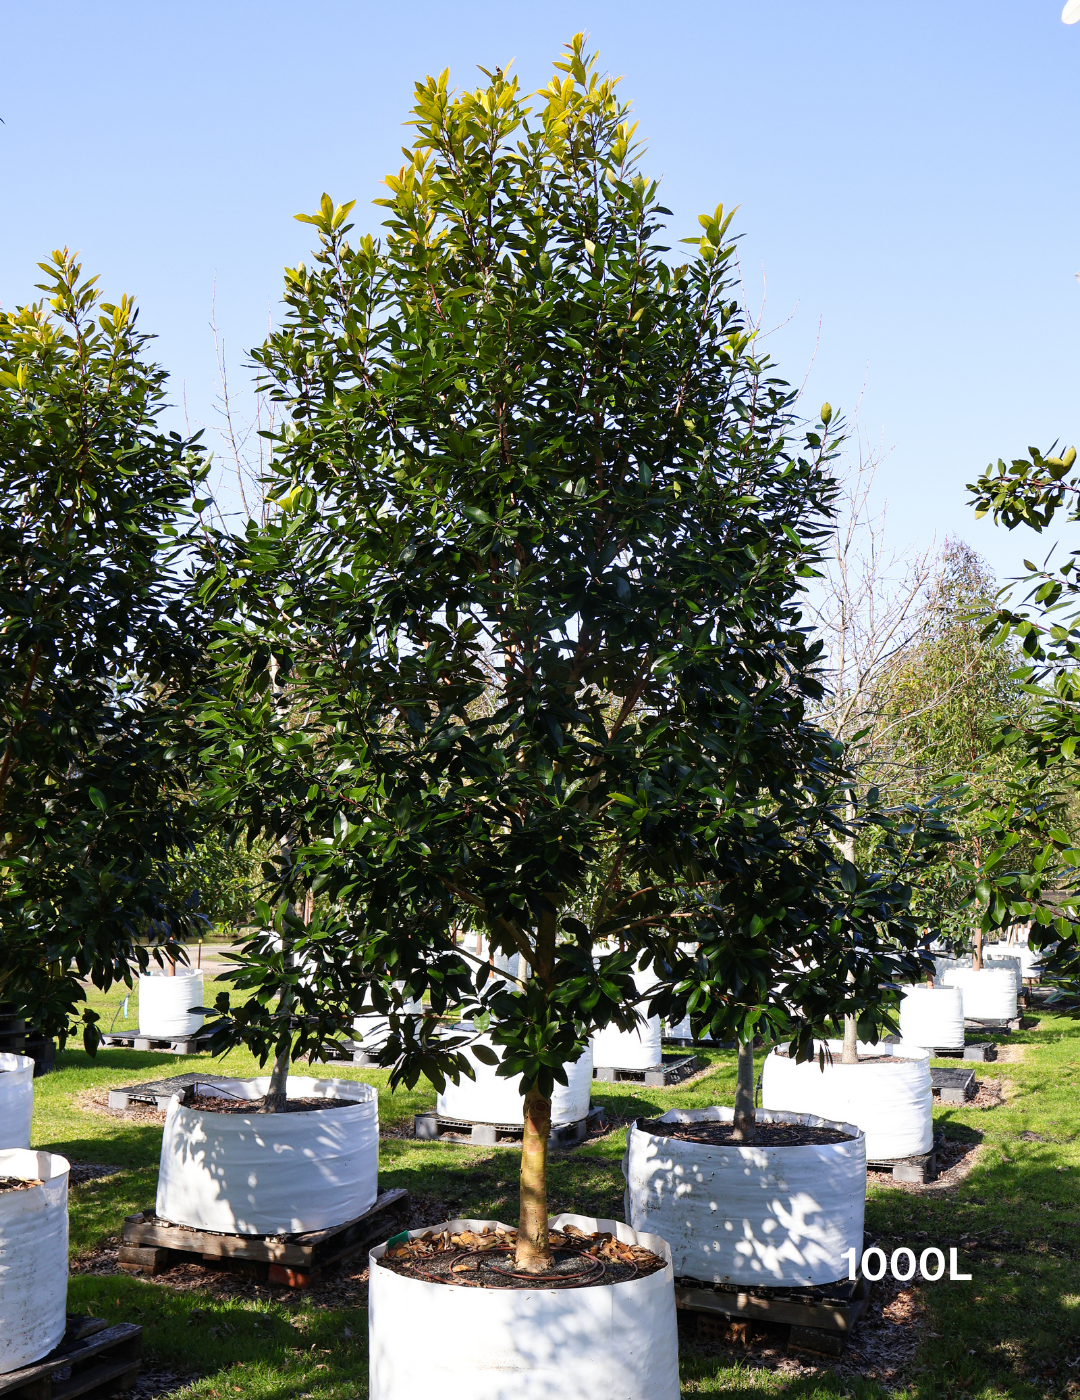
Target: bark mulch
x=765, y=1134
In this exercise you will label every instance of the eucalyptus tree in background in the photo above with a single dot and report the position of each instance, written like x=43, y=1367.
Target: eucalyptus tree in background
x=97, y=643
x=531, y=585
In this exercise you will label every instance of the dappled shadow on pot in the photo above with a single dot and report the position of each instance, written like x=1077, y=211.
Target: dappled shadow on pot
x=745, y=1214
x=274, y=1173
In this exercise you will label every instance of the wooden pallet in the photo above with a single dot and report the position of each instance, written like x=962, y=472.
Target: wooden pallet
x=94, y=1360
x=180, y=1045
x=433, y=1127
x=953, y=1085
x=819, y=1319
x=152, y=1245
x=671, y=1069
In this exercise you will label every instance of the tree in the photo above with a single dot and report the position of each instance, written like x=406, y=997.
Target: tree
x=520, y=649
x=940, y=708
x=96, y=641
x=1037, y=814
x=869, y=604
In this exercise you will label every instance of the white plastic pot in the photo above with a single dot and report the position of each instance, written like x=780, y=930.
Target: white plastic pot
x=33, y=1258
x=491, y=1099
x=933, y=1017
x=165, y=1004
x=270, y=1173
x=636, y=1049
x=749, y=1214
x=606, y=1342
x=989, y=992
x=16, y=1100
x=892, y=1103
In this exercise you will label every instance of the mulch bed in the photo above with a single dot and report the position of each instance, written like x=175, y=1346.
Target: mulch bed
x=955, y=1161
x=486, y=1259
x=18, y=1183
x=764, y=1135
x=213, y=1103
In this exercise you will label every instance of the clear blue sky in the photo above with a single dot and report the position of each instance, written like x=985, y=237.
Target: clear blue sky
x=906, y=175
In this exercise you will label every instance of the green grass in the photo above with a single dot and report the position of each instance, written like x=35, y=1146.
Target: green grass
x=1015, y=1220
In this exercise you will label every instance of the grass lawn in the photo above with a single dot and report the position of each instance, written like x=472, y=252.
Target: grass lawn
x=1014, y=1330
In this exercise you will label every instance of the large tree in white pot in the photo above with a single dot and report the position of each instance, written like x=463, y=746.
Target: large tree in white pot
x=531, y=586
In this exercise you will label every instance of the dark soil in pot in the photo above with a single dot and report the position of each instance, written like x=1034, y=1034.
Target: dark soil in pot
x=765, y=1134
x=211, y=1103
x=486, y=1260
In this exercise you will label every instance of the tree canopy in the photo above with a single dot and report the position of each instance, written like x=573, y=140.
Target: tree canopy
x=97, y=640
x=521, y=650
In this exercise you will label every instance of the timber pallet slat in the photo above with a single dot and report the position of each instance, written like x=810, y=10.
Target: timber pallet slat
x=820, y=1319
x=954, y=1085
x=151, y=1245
x=671, y=1069
x=433, y=1127
x=176, y=1045
x=94, y=1360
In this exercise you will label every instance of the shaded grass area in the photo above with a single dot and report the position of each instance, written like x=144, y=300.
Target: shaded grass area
x=1011, y=1331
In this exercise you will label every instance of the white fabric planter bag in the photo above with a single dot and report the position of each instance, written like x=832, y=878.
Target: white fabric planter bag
x=989, y=993
x=933, y=1017
x=749, y=1214
x=165, y=1004
x=609, y=1342
x=636, y=1049
x=33, y=1258
x=1010, y=962
x=271, y=1173
x=490, y=1098
x=16, y=1100
x=892, y=1104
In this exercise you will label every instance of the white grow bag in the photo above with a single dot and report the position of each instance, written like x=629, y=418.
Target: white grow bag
x=892, y=1104
x=607, y=1342
x=490, y=1098
x=748, y=1213
x=636, y=1049
x=989, y=993
x=33, y=1258
x=165, y=1004
x=271, y=1173
x=1030, y=961
x=933, y=1017
x=16, y=1100
x=1000, y=960
x=372, y=1030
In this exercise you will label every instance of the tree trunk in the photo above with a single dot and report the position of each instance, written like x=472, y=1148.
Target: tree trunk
x=977, y=961
x=533, y=1253
x=850, y=1055
x=743, y=1126
x=276, y=1096
x=851, y=1052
